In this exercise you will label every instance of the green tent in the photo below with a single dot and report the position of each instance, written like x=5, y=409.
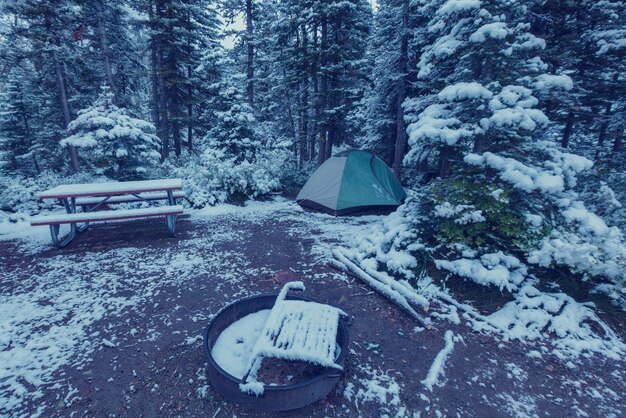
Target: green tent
x=352, y=182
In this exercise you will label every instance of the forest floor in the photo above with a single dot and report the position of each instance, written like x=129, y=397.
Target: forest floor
x=112, y=326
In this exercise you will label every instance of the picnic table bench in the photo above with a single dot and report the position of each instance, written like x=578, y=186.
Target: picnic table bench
x=93, y=196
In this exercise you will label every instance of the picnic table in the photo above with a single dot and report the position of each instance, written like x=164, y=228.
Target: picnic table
x=93, y=196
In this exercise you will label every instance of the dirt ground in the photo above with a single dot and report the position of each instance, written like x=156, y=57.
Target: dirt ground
x=156, y=366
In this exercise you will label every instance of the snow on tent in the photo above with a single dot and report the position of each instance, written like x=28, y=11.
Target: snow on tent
x=352, y=182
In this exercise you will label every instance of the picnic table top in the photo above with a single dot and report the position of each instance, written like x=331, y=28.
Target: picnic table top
x=111, y=188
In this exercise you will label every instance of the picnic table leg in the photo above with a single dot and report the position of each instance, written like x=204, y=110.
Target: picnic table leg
x=171, y=219
x=70, y=207
x=83, y=227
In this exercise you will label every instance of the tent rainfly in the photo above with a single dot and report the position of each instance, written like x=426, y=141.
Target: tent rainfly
x=352, y=182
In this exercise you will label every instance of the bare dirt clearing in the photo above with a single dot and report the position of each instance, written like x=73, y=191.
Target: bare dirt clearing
x=112, y=325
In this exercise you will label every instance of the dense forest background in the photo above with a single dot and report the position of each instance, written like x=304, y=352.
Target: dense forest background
x=505, y=119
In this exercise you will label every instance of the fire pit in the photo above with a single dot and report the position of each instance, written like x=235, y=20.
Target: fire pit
x=282, y=397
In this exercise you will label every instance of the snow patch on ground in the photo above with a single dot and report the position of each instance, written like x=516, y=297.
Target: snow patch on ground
x=378, y=387
x=46, y=321
x=251, y=209
x=436, y=370
x=49, y=312
x=33, y=239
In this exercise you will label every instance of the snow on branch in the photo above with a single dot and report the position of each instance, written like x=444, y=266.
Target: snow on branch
x=462, y=91
x=454, y=6
x=503, y=271
x=526, y=177
x=494, y=30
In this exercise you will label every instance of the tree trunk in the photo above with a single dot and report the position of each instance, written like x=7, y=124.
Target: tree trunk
x=316, y=109
x=321, y=155
x=304, y=102
x=569, y=124
x=444, y=163
x=173, y=85
x=104, y=45
x=65, y=107
x=422, y=164
x=292, y=122
x=163, y=117
x=618, y=144
x=324, y=91
x=567, y=132
x=24, y=115
x=401, y=140
x=333, y=101
x=330, y=141
x=163, y=111
x=480, y=143
x=605, y=125
x=154, y=78
x=189, y=111
x=250, y=54
x=158, y=110
x=293, y=128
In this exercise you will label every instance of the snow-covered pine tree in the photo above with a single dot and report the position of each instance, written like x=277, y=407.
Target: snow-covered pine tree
x=275, y=103
x=180, y=33
x=27, y=143
x=394, y=74
x=235, y=130
x=250, y=12
x=111, y=48
x=504, y=200
x=344, y=31
x=20, y=151
x=235, y=162
x=568, y=51
x=380, y=102
x=200, y=41
x=583, y=40
x=609, y=39
x=605, y=142
x=291, y=24
x=309, y=70
x=112, y=142
x=42, y=28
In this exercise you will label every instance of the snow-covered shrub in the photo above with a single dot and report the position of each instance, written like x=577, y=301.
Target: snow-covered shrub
x=19, y=194
x=238, y=160
x=294, y=177
x=112, y=142
x=214, y=177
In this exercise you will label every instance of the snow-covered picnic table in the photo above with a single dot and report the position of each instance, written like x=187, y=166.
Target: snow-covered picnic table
x=93, y=196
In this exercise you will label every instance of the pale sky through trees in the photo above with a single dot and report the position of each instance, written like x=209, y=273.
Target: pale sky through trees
x=229, y=41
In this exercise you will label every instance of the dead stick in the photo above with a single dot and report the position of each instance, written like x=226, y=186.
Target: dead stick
x=382, y=288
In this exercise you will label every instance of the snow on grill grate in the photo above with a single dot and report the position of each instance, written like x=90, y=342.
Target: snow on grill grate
x=295, y=330
x=301, y=331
